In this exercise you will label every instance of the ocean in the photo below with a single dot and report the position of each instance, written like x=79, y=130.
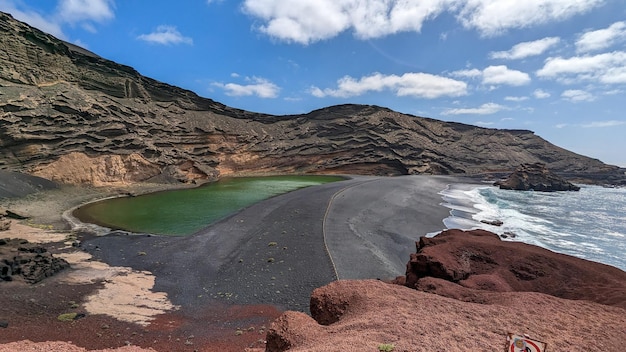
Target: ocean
x=589, y=224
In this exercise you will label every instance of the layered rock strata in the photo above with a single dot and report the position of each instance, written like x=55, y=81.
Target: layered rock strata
x=72, y=116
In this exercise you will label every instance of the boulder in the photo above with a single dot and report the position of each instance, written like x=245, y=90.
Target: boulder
x=480, y=260
x=377, y=314
x=465, y=291
x=492, y=222
x=535, y=177
x=5, y=224
x=31, y=263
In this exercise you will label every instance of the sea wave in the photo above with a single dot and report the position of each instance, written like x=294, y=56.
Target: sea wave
x=589, y=224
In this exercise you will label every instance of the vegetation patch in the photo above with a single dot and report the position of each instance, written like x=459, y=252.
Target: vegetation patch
x=386, y=347
x=67, y=317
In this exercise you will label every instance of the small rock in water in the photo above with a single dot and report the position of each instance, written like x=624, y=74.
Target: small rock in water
x=492, y=222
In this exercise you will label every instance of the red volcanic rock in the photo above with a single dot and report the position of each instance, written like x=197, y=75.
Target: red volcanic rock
x=466, y=291
x=376, y=313
x=479, y=259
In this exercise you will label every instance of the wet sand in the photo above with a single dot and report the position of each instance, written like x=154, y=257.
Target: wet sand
x=371, y=227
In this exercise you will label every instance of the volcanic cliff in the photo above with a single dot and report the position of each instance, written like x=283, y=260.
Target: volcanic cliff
x=69, y=115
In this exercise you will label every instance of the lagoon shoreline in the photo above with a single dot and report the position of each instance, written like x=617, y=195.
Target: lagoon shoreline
x=243, y=269
x=276, y=251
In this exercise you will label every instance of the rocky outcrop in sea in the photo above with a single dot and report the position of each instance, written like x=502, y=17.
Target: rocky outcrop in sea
x=536, y=177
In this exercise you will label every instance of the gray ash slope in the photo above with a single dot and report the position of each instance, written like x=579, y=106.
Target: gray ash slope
x=57, y=99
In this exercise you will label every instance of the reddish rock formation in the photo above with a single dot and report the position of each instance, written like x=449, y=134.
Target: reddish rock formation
x=377, y=313
x=536, y=177
x=478, y=259
x=478, y=289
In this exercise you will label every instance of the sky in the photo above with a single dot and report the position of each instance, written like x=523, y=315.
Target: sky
x=555, y=67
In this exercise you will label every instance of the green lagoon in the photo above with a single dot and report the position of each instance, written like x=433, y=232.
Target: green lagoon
x=183, y=212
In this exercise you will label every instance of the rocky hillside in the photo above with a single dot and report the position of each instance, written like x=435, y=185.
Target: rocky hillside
x=69, y=115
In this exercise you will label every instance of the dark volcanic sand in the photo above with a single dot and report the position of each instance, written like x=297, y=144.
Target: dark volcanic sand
x=239, y=273
x=274, y=252
x=14, y=184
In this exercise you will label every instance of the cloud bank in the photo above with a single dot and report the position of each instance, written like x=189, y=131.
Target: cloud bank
x=309, y=21
x=419, y=85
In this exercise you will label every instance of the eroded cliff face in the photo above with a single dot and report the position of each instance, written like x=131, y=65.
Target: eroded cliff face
x=61, y=106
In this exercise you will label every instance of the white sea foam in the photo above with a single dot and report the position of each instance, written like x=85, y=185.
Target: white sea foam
x=589, y=224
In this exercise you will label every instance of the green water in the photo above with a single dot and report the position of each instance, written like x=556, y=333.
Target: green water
x=183, y=212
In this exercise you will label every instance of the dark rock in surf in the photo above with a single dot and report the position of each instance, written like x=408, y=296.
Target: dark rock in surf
x=492, y=222
x=535, y=177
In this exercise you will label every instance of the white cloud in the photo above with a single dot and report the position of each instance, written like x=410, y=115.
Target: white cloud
x=495, y=75
x=608, y=68
x=303, y=21
x=485, y=109
x=470, y=73
x=166, y=35
x=541, y=94
x=602, y=38
x=418, y=85
x=292, y=99
x=308, y=21
x=81, y=12
x=501, y=74
x=576, y=95
x=515, y=98
x=594, y=124
x=34, y=19
x=72, y=11
x=259, y=87
x=526, y=49
x=495, y=17
x=599, y=124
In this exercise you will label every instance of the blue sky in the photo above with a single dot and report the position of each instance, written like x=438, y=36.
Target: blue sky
x=556, y=67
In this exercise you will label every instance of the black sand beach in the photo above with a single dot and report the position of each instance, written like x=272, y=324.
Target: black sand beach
x=277, y=251
x=371, y=228
x=15, y=184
